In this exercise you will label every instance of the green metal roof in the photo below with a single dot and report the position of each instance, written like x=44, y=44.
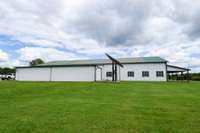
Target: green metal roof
x=100, y=62
x=103, y=61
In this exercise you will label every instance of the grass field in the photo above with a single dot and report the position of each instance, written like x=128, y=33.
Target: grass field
x=39, y=107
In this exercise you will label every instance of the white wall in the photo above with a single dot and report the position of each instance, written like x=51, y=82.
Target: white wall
x=108, y=68
x=87, y=73
x=76, y=73
x=57, y=74
x=99, y=73
x=33, y=74
x=138, y=68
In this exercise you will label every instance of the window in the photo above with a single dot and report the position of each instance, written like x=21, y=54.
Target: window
x=130, y=74
x=145, y=74
x=159, y=74
x=108, y=74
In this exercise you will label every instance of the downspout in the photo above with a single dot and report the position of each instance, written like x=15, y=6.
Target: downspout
x=101, y=71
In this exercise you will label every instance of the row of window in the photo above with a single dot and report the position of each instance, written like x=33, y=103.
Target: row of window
x=144, y=74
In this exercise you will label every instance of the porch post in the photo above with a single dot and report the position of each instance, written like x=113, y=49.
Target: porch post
x=181, y=76
x=188, y=78
x=113, y=73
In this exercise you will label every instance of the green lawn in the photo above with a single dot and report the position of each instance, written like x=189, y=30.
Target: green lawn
x=64, y=107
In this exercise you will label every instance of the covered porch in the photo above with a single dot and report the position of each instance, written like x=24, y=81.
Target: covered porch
x=175, y=73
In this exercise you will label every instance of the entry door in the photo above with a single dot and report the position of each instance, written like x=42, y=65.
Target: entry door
x=98, y=74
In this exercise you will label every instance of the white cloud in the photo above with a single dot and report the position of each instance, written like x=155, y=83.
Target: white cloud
x=47, y=54
x=166, y=28
x=6, y=61
x=3, y=56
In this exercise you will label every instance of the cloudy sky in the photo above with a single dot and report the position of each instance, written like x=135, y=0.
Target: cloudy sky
x=85, y=29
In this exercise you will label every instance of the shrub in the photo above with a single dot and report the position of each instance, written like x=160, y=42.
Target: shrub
x=196, y=78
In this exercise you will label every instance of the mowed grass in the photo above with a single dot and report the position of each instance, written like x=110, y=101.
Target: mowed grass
x=66, y=107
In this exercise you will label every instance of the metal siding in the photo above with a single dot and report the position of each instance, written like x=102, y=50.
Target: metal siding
x=108, y=68
x=86, y=73
x=33, y=74
x=98, y=74
x=138, y=68
x=73, y=73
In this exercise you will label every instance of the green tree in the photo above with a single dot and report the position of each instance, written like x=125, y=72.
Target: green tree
x=36, y=62
x=7, y=70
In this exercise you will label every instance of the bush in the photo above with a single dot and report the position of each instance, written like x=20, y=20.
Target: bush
x=196, y=78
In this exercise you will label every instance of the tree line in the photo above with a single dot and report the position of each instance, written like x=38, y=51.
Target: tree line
x=7, y=70
x=196, y=76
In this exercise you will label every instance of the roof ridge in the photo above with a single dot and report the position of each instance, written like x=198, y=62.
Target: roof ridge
x=103, y=59
x=150, y=59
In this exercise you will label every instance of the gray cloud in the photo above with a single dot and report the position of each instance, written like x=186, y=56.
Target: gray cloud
x=114, y=22
x=117, y=23
x=186, y=13
x=166, y=28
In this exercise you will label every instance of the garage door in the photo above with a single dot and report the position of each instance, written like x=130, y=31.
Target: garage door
x=82, y=73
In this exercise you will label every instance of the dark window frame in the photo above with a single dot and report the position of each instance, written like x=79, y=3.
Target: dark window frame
x=108, y=74
x=159, y=74
x=145, y=73
x=131, y=74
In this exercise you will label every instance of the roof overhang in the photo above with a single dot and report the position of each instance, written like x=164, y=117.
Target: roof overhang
x=55, y=66
x=172, y=68
x=72, y=65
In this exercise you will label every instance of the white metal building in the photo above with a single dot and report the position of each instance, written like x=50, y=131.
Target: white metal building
x=135, y=69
